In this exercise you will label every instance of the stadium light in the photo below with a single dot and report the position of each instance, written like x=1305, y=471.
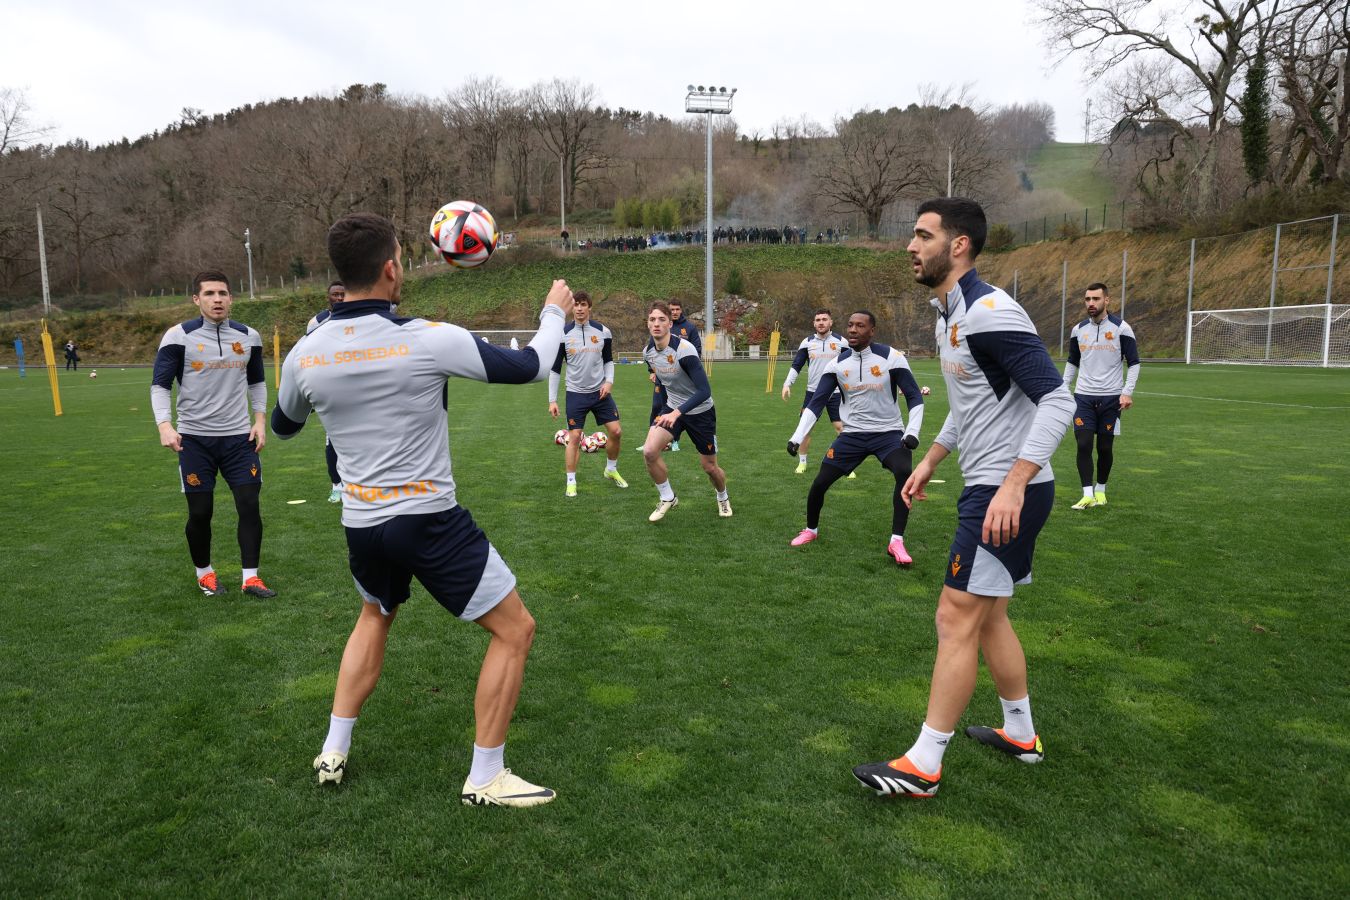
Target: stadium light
x=710, y=102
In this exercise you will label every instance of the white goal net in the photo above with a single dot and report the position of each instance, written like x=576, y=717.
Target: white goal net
x=1316, y=335
x=503, y=338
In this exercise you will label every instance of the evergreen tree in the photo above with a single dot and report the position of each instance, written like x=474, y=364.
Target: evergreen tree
x=1255, y=110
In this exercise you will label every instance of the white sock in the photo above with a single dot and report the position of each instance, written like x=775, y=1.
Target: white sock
x=337, y=485
x=801, y=458
x=1017, y=719
x=611, y=465
x=812, y=530
x=206, y=571
x=1101, y=489
x=339, y=734
x=927, y=751
x=1087, y=492
x=721, y=495
x=665, y=490
x=571, y=477
x=249, y=573
x=898, y=537
x=487, y=762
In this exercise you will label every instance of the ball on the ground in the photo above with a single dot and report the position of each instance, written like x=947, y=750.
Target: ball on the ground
x=93, y=374
x=465, y=234
x=588, y=444
x=925, y=390
x=560, y=437
x=600, y=438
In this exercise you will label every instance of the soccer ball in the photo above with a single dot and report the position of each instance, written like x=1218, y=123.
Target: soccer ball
x=465, y=234
x=560, y=437
x=925, y=390
x=588, y=444
x=600, y=439
x=93, y=374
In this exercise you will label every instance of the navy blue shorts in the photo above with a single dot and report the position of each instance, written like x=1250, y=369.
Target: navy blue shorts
x=1097, y=415
x=233, y=455
x=850, y=450
x=445, y=551
x=701, y=428
x=578, y=405
x=831, y=405
x=984, y=569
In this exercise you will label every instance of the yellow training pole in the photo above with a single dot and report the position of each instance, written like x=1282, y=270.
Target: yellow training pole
x=708, y=349
x=773, y=358
x=276, y=354
x=51, y=367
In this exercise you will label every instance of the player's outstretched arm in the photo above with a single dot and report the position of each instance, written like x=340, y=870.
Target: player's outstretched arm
x=828, y=384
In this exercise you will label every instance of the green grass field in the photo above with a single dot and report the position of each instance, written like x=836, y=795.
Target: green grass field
x=698, y=690
x=1073, y=169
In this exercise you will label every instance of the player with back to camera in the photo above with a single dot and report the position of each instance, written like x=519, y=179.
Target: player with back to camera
x=1098, y=346
x=815, y=353
x=378, y=384
x=337, y=292
x=1009, y=410
x=869, y=375
x=688, y=410
x=588, y=350
x=218, y=364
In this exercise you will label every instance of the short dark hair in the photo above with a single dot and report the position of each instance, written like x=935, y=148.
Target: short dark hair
x=359, y=245
x=675, y=302
x=333, y=284
x=209, y=275
x=959, y=216
x=871, y=319
x=1098, y=286
x=581, y=297
x=822, y=311
x=661, y=305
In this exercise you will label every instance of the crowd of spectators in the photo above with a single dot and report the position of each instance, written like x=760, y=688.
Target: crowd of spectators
x=785, y=234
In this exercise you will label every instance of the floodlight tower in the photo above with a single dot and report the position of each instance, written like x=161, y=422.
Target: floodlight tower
x=710, y=101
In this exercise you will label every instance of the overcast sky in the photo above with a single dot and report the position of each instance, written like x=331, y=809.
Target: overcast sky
x=101, y=71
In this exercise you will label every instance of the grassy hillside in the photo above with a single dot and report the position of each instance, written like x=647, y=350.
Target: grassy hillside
x=1072, y=170
x=785, y=284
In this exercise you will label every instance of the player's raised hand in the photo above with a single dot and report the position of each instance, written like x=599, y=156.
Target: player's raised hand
x=560, y=295
x=170, y=438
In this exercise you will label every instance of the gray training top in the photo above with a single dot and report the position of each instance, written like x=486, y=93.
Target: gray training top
x=215, y=366
x=588, y=351
x=1007, y=398
x=680, y=371
x=378, y=383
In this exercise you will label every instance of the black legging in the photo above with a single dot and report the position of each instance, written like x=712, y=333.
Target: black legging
x=331, y=455
x=1105, y=456
x=201, y=505
x=900, y=463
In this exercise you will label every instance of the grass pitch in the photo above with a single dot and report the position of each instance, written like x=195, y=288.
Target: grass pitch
x=698, y=690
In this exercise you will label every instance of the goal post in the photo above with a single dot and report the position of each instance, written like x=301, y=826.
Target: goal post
x=1312, y=335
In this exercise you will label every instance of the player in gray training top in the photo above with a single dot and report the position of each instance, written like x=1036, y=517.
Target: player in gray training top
x=1009, y=410
x=218, y=365
x=588, y=350
x=688, y=408
x=378, y=383
x=869, y=375
x=816, y=353
x=1097, y=347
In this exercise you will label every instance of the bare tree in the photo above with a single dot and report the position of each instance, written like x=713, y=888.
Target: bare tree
x=564, y=115
x=477, y=109
x=1311, y=42
x=17, y=128
x=1187, y=80
x=874, y=162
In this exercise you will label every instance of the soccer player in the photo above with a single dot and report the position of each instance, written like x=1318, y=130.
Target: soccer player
x=218, y=364
x=337, y=292
x=378, y=383
x=816, y=352
x=1009, y=410
x=588, y=349
x=686, y=331
x=1097, y=347
x=869, y=375
x=688, y=409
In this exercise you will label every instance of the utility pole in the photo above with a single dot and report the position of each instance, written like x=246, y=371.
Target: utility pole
x=248, y=248
x=42, y=261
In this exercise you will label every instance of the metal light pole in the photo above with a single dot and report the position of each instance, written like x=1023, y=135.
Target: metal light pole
x=248, y=248
x=712, y=101
x=42, y=261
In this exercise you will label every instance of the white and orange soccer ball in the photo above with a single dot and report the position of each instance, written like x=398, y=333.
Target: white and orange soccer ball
x=560, y=437
x=465, y=234
x=93, y=374
x=925, y=390
x=601, y=439
x=588, y=444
